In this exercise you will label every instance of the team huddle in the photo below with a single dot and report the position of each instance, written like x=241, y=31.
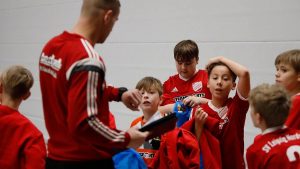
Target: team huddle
x=209, y=132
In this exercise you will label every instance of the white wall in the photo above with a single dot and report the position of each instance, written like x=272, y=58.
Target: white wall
x=141, y=44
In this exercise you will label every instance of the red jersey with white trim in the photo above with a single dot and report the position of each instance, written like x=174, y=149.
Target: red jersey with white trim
x=275, y=150
x=176, y=89
x=231, y=130
x=293, y=120
x=21, y=143
x=76, y=101
x=147, y=151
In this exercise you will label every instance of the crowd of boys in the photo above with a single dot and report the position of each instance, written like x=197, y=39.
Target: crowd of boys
x=82, y=130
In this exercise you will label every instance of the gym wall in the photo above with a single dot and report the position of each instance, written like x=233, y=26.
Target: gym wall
x=141, y=44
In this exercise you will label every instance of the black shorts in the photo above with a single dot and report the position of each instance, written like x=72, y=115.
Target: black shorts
x=103, y=164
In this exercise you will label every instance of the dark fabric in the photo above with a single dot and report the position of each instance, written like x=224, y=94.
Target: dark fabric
x=55, y=164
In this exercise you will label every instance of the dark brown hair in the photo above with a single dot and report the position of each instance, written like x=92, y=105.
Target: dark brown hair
x=185, y=51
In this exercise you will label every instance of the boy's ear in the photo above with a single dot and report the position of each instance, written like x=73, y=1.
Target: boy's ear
x=161, y=99
x=108, y=16
x=233, y=86
x=26, y=95
x=298, y=79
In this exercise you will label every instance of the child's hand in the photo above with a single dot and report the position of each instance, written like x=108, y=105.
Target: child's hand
x=200, y=118
x=214, y=60
x=194, y=101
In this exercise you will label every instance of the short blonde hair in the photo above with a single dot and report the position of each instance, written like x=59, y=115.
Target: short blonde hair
x=90, y=7
x=272, y=102
x=291, y=57
x=16, y=81
x=150, y=83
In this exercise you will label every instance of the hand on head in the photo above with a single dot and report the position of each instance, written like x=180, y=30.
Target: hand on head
x=213, y=60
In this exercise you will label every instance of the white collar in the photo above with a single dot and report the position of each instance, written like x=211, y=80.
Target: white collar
x=272, y=129
x=222, y=111
x=184, y=79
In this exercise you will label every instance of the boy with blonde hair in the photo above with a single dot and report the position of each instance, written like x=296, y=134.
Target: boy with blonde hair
x=22, y=144
x=151, y=90
x=288, y=75
x=277, y=146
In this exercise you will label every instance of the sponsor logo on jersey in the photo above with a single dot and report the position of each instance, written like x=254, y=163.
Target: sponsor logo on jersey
x=51, y=61
x=50, y=65
x=174, y=90
x=147, y=154
x=197, y=86
x=180, y=98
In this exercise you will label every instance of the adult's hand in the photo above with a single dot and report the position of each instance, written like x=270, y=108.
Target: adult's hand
x=137, y=138
x=132, y=99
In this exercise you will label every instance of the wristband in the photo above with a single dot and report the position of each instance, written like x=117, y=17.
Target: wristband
x=121, y=91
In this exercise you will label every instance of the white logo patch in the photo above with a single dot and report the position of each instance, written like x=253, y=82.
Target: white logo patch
x=197, y=86
x=174, y=90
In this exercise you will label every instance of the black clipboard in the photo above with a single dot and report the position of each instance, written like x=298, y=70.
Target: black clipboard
x=160, y=126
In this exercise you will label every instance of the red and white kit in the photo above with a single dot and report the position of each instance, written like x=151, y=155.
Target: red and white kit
x=176, y=89
x=231, y=130
x=276, y=148
x=76, y=101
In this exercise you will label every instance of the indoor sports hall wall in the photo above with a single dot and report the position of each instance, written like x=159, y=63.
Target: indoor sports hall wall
x=142, y=41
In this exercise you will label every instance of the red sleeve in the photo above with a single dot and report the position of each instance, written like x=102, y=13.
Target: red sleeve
x=252, y=159
x=113, y=93
x=89, y=116
x=166, y=96
x=293, y=120
x=34, y=153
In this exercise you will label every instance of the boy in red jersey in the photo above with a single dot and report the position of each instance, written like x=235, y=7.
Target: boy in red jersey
x=151, y=89
x=278, y=146
x=230, y=113
x=75, y=95
x=22, y=144
x=189, y=81
x=288, y=75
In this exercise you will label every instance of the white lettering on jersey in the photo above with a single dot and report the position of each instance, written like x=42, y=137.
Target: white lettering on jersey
x=280, y=140
x=291, y=151
x=51, y=61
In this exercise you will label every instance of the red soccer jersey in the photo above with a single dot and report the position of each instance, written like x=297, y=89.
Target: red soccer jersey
x=21, y=143
x=231, y=130
x=275, y=150
x=76, y=101
x=176, y=89
x=293, y=120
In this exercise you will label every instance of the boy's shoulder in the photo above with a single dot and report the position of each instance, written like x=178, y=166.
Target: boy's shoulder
x=14, y=119
x=137, y=121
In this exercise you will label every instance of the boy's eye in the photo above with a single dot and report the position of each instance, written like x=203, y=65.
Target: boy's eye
x=283, y=70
